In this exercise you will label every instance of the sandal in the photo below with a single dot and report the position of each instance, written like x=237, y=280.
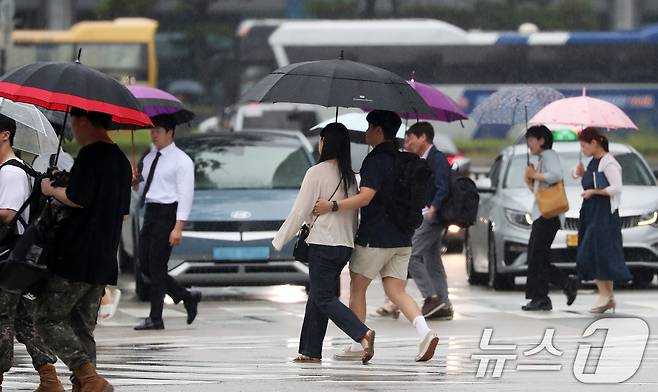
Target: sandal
x=369, y=350
x=388, y=310
x=306, y=359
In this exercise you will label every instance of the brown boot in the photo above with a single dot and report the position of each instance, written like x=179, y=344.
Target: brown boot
x=49, y=381
x=75, y=384
x=90, y=381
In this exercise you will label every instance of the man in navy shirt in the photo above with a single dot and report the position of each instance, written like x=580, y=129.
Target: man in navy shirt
x=381, y=247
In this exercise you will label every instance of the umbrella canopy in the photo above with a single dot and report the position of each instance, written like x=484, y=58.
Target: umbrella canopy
x=157, y=102
x=340, y=83
x=34, y=134
x=355, y=122
x=60, y=86
x=584, y=112
x=508, y=106
x=443, y=107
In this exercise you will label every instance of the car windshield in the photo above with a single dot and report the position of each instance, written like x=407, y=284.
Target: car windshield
x=237, y=162
x=634, y=171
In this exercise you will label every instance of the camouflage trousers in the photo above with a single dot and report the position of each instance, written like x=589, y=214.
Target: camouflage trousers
x=17, y=319
x=66, y=318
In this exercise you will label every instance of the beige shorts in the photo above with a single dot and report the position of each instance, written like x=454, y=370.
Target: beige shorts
x=384, y=262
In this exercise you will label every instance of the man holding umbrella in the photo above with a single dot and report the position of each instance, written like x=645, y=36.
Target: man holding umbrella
x=167, y=196
x=84, y=260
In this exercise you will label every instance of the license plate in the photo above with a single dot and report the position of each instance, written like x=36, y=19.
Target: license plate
x=241, y=253
x=572, y=240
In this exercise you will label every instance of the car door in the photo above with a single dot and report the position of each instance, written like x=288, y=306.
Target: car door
x=479, y=233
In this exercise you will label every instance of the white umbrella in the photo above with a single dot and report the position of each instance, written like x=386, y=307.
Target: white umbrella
x=356, y=122
x=34, y=134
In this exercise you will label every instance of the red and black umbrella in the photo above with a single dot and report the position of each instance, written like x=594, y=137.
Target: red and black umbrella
x=60, y=86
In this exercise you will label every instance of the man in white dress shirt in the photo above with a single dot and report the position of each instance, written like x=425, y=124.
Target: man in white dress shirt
x=166, y=195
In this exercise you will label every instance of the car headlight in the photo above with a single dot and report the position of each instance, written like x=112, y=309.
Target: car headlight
x=648, y=219
x=519, y=218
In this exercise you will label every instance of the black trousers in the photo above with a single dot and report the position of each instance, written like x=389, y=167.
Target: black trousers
x=154, y=252
x=540, y=270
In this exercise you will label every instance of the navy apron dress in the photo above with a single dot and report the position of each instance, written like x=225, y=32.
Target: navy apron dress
x=600, y=248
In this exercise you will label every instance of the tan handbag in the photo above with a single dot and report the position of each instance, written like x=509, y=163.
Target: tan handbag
x=552, y=201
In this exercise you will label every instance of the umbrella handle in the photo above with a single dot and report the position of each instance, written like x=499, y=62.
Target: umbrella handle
x=61, y=137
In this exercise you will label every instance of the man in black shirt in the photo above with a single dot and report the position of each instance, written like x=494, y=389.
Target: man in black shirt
x=382, y=248
x=84, y=260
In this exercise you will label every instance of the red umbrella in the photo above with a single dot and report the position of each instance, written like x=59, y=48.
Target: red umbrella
x=60, y=86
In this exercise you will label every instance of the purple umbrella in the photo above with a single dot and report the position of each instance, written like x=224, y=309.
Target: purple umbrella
x=444, y=108
x=157, y=102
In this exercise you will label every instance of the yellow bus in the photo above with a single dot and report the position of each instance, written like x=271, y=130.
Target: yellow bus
x=123, y=48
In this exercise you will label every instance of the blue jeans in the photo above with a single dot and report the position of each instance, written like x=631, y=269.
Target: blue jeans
x=325, y=264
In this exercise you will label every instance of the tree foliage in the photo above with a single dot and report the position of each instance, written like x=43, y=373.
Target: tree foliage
x=110, y=9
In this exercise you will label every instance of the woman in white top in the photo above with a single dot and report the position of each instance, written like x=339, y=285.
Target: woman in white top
x=600, y=249
x=330, y=240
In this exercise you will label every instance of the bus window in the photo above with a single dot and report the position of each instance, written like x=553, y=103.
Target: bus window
x=25, y=54
x=117, y=60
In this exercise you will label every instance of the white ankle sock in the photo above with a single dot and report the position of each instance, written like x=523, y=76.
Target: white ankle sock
x=356, y=347
x=421, y=327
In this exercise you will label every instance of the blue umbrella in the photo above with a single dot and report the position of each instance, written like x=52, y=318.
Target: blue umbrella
x=511, y=106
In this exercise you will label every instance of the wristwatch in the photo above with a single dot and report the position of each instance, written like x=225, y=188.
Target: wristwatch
x=334, y=206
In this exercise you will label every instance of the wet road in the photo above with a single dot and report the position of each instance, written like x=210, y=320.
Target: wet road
x=245, y=338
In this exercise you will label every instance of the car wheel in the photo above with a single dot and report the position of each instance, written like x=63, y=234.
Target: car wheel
x=642, y=279
x=474, y=278
x=498, y=281
x=454, y=247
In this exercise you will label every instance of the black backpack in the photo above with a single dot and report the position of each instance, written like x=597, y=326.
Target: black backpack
x=412, y=180
x=460, y=207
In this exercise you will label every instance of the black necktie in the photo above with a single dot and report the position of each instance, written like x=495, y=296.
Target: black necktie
x=149, y=179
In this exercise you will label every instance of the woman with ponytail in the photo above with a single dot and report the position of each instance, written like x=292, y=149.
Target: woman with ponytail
x=330, y=240
x=600, y=249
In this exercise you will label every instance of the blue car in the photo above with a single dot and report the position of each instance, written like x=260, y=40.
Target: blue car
x=245, y=185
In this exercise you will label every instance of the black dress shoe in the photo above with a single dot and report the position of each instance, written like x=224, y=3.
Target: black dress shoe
x=571, y=290
x=192, y=305
x=149, y=324
x=538, y=304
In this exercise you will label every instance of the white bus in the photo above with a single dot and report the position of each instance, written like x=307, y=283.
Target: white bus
x=469, y=65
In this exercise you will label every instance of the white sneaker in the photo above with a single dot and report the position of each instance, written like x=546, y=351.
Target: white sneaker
x=427, y=347
x=348, y=355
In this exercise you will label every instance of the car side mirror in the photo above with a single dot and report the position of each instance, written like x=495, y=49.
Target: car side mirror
x=484, y=185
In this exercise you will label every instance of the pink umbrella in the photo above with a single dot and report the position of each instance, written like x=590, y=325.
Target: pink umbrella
x=443, y=107
x=583, y=112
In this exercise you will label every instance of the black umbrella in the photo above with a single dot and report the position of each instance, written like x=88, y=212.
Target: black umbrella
x=60, y=86
x=340, y=83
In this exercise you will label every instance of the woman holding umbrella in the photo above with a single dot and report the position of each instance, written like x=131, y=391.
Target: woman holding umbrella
x=600, y=251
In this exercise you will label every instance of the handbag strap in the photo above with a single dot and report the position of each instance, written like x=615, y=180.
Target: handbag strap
x=330, y=197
